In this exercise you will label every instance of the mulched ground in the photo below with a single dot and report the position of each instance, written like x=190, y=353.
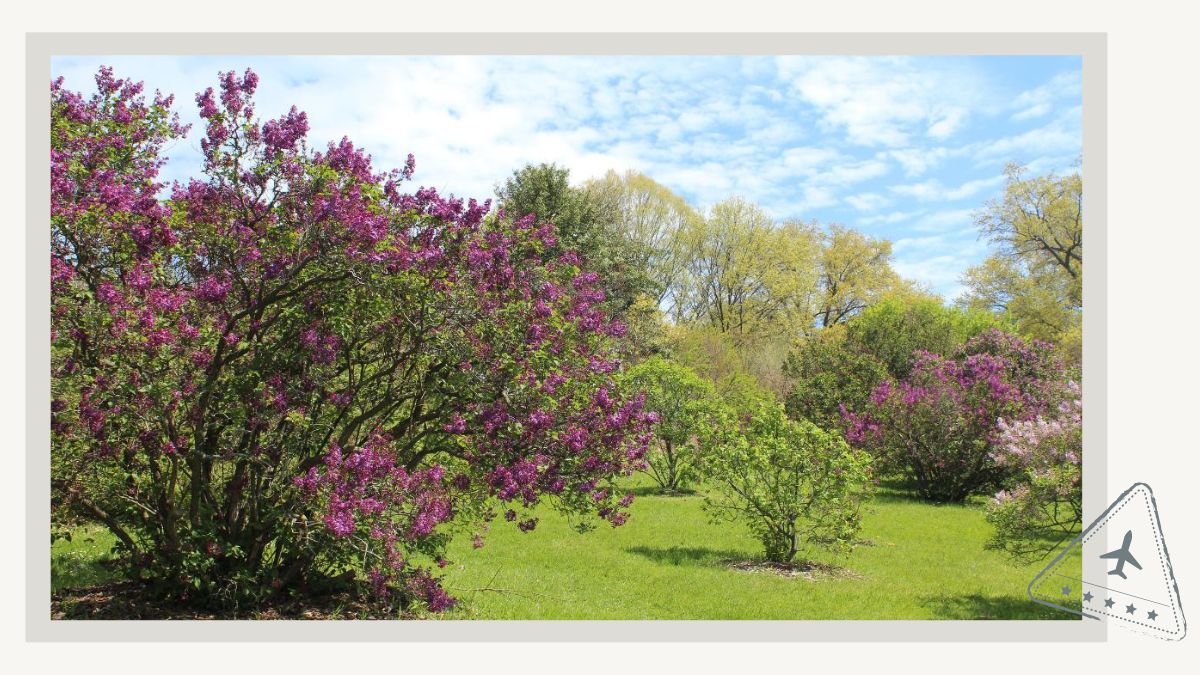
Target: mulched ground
x=811, y=571
x=127, y=600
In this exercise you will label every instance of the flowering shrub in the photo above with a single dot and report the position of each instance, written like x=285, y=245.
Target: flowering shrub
x=792, y=483
x=1045, y=505
x=681, y=401
x=938, y=427
x=291, y=370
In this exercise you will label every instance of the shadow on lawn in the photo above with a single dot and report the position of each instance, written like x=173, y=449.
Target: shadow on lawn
x=897, y=490
x=687, y=555
x=656, y=491
x=979, y=606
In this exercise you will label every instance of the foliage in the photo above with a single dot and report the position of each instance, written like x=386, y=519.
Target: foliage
x=896, y=328
x=586, y=224
x=1045, y=506
x=793, y=484
x=1036, y=277
x=291, y=371
x=747, y=276
x=1040, y=220
x=826, y=372
x=938, y=427
x=681, y=401
x=854, y=272
x=657, y=220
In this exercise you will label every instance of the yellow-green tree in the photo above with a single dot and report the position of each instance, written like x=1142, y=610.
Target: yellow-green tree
x=854, y=272
x=745, y=274
x=1036, y=276
x=648, y=213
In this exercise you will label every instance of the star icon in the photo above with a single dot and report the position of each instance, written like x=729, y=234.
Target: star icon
x=1066, y=590
x=1108, y=602
x=1087, y=597
x=1130, y=609
x=1152, y=615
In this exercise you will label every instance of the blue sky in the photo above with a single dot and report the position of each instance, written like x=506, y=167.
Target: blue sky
x=898, y=147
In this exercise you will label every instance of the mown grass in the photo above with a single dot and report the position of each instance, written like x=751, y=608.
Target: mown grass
x=917, y=561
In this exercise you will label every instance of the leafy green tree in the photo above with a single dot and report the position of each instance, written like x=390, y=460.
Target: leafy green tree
x=682, y=401
x=738, y=372
x=1035, y=278
x=794, y=485
x=897, y=327
x=1040, y=220
x=825, y=373
x=656, y=219
x=585, y=224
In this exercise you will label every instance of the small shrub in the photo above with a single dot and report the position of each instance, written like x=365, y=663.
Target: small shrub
x=794, y=484
x=681, y=401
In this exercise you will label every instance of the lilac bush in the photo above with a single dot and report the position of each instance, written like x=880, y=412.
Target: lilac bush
x=289, y=371
x=1044, y=504
x=939, y=426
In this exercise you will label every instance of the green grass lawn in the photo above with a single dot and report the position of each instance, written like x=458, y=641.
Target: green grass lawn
x=668, y=562
x=919, y=561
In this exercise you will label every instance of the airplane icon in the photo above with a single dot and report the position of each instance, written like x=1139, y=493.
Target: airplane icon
x=1122, y=556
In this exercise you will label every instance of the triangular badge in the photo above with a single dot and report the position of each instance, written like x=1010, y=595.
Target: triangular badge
x=1137, y=585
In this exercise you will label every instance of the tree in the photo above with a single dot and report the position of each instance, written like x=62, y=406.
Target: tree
x=1040, y=220
x=291, y=368
x=792, y=483
x=1044, y=506
x=747, y=276
x=854, y=272
x=825, y=373
x=681, y=401
x=1036, y=277
x=1036, y=302
x=585, y=223
x=896, y=328
x=656, y=219
x=937, y=426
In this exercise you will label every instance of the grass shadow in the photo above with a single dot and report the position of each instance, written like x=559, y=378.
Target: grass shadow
x=689, y=556
x=898, y=490
x=978, y=606
x=656, y=491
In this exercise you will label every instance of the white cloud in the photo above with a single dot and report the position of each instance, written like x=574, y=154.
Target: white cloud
x=933, y=190
x=868, y=201
x=917, y=161
x=884, y=100
x=960, y=220
x=1039, y=101
x=890, y=218
x=1061, y=135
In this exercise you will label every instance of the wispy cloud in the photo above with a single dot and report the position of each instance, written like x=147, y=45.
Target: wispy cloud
x=933, y=190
